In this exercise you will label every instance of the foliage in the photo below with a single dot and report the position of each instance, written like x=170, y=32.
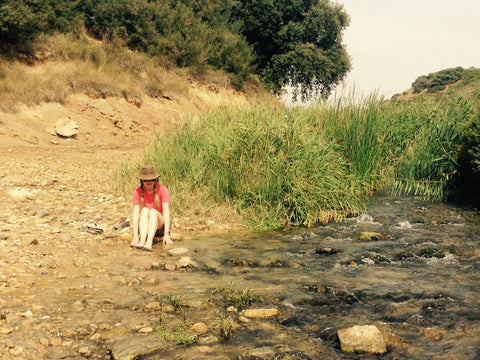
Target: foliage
x=280, y=166
x=296, y=43
x=180, y=334
x=240, y=298
x=226, y=326
x=270, y=163
x=22, y=20
x=430, y=156
x=437, y=81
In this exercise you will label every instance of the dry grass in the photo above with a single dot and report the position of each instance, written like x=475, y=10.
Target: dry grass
x=64, y=65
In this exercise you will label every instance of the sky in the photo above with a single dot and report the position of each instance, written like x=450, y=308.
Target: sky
x=392, y=42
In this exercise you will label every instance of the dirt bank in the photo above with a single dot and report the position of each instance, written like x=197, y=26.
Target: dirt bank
x=49, y=188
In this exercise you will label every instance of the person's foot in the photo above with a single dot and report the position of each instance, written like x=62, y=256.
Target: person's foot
x=135, y=242
x=167, y=241
x=146, y=248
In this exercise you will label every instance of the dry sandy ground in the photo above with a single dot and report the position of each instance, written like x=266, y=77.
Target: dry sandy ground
x=50, y=187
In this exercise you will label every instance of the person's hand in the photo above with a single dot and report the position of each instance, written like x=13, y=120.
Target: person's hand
x=167, y=240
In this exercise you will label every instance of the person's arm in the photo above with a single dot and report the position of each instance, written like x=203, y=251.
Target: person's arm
x=166, y=223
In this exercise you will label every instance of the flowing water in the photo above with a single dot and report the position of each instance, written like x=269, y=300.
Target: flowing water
x=420, y=284
x=417, y=280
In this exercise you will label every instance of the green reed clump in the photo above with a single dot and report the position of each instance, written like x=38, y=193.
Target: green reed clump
x=271, y=163
x=280, y=166
x=426, y=145
x=361, y=131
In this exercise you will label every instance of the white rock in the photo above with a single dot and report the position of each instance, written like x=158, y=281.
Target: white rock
x=365, y=338
x=177, y=251
x=66, y=127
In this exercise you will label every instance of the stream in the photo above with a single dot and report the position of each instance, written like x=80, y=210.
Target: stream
x=415, y=277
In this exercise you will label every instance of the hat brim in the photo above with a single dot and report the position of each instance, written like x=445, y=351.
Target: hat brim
x=148, y=177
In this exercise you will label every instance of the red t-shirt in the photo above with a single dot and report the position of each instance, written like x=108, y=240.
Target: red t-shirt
x=160, y=189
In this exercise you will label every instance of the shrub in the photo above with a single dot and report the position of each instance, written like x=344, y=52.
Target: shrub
x=437, y=81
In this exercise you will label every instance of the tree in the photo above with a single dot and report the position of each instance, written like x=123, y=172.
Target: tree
x=296, y=43
x=22, y=20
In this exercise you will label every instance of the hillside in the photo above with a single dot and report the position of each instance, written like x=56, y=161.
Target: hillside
x=111, y=130
x=113, y=121
x=458, y=81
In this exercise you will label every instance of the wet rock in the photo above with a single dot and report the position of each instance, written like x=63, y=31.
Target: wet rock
x=156, y=265
x=136, y=346
x=260, y=313
x=186, y=262
x=153, y=306
x=239, y=262
x=208, y=340
x=303, y=237
x=378, y=258
x=369, y=236
x=326, y=251
x=365, y=338
x=265, y=352
x=170, y=267
x=177, y=251
x=433, y=332
x=400, y=311
x=364, y=219
x=204, y=349
x=405, y=225
x=200, y=328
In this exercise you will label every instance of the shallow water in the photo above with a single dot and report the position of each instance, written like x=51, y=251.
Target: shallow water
x=419, y=286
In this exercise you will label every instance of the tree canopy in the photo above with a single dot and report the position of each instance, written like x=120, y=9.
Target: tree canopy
x=284, y=42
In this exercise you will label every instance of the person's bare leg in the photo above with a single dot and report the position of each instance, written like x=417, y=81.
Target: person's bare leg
x=153, y=225
x=144, y=214
x=135, y=226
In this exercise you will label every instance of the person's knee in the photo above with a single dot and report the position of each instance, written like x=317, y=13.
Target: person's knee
x=152, y=214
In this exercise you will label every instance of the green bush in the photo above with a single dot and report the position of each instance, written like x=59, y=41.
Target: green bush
x=437, y=81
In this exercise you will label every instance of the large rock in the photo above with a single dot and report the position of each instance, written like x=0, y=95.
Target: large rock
x=365, y=338
x=66, y=127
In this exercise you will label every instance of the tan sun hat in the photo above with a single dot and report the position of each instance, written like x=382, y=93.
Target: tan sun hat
x=148, y=173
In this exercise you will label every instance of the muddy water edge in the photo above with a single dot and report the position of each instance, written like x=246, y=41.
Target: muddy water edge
x=415, y=276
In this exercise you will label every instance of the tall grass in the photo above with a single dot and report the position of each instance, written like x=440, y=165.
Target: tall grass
x=427, y=145
x=280, y=166
x=271, y=164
